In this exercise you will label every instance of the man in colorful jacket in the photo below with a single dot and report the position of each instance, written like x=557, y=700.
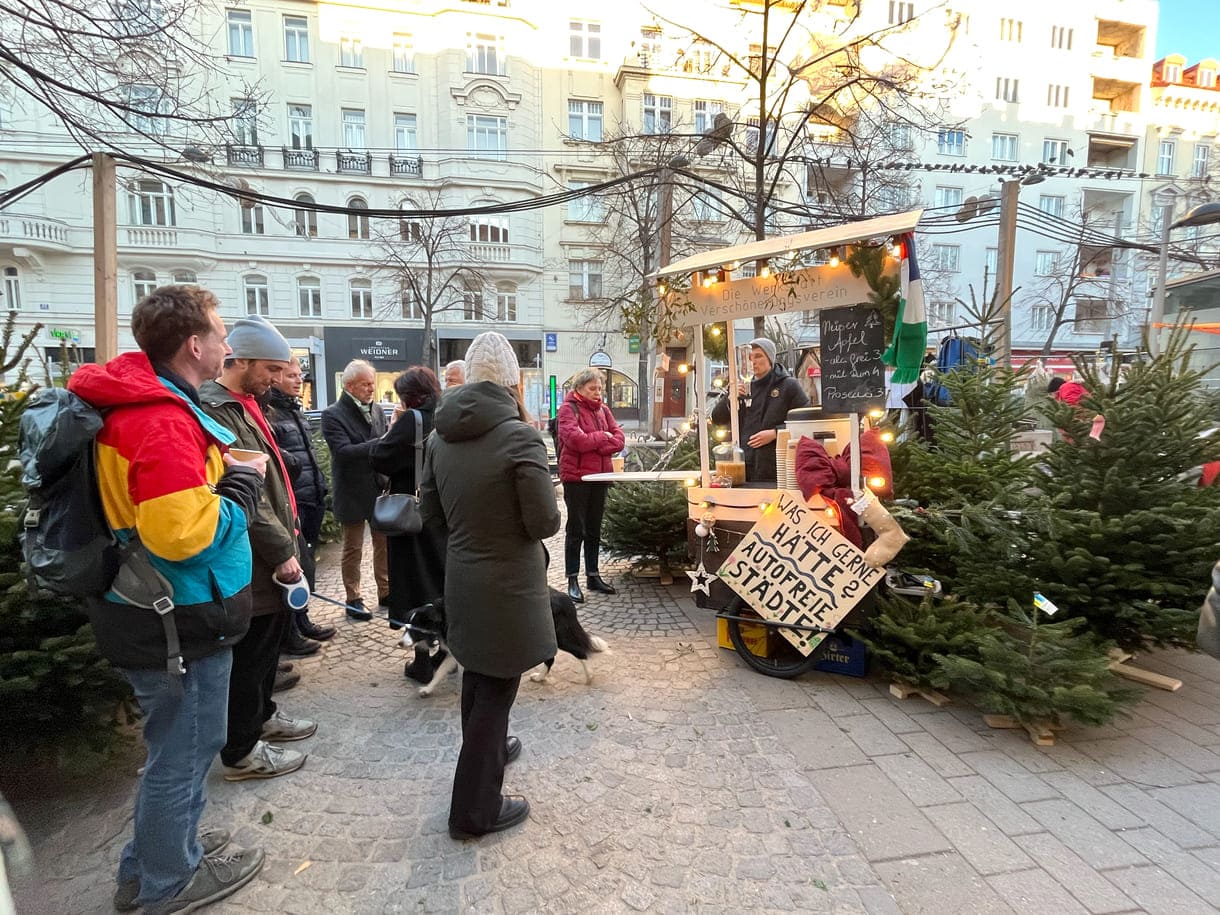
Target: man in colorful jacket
x=259, y=356
x=163, y=477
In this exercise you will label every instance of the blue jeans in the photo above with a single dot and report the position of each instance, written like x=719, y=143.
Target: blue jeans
x=183, y=735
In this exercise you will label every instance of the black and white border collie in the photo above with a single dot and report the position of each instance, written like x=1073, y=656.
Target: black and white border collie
x=425, y=632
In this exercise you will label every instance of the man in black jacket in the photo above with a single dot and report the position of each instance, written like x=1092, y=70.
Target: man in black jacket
x=350, y=426
x=292, y=436
x=762, y=408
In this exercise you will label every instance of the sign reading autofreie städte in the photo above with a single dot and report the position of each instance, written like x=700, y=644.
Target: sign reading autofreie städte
x=792, y=568
x=796, y=290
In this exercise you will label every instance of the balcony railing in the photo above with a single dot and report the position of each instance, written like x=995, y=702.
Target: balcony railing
x=353, y=163
x=491, y=253
x=406, y=165
x=151, y=237
x=248, y=156
x=301, y=159
x=34, y=230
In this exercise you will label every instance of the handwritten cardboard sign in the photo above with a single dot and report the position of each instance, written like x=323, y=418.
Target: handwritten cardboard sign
x=790, y=290
x=793, y=568
x=852, y=341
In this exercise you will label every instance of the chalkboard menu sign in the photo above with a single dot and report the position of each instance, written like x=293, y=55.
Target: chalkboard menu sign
x=853, y=378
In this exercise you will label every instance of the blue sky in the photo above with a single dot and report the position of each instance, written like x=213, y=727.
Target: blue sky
x=1187, y=27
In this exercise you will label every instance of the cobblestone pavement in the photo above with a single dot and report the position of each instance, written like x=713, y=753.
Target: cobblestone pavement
x=681, y=781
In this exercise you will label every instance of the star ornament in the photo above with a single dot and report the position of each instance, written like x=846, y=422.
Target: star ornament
x=700, y=579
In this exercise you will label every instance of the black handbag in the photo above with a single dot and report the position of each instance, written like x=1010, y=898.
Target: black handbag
x=396, y=514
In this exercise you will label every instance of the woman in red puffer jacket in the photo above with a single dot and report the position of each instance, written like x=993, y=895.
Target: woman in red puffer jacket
x=588, y=436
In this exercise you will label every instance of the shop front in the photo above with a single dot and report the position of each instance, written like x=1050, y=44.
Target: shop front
x=452, y=344
x=388, y=349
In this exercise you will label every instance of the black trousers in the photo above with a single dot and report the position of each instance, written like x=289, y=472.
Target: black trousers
x=486, y=702
x=586, y=504
x=254, y=661
x=310, y=515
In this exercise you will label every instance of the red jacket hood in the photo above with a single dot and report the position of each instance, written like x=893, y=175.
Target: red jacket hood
x=124, y=381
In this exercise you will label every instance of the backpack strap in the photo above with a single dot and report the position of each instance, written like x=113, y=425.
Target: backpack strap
x=141, y=585
x=419, y=448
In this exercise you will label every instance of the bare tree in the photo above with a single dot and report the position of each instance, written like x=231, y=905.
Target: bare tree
x=430, y=262
x=107, y=69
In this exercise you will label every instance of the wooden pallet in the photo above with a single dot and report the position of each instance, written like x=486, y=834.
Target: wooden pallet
x=1042, y=733
x=903, y=691
x=1138, y=675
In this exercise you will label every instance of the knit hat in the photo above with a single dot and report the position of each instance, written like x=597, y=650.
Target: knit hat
x=256, y=338
x=491, y=358
x=766, y=346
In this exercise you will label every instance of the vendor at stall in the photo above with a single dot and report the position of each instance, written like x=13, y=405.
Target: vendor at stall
x=762, y=407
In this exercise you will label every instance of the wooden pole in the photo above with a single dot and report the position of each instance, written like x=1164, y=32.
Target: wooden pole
x=663, y=256
x=105, y=261
x=1004, y=268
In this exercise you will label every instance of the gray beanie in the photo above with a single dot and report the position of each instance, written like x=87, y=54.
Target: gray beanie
x=491, y=358
x=256, y=338
x=766, y=346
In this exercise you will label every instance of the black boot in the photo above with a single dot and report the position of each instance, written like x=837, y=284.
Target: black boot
x=311, y=630
x=597, y=584
x=574, y=590
x=296, y=645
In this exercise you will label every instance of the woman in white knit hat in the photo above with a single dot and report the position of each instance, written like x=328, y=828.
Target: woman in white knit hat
x=488, y=482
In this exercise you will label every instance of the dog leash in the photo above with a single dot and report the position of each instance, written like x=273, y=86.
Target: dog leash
x=330, y=600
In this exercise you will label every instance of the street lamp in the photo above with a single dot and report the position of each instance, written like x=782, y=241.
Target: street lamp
x=1202, y=215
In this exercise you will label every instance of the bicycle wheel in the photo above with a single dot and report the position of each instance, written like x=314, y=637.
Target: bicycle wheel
x=764, y=648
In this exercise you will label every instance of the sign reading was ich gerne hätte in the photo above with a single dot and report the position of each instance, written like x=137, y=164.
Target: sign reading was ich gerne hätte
x=792, y=568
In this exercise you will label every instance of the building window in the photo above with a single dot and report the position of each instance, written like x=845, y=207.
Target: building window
x=245, y=121
x=404, y=54
x=405, y=137
x=951, y=142
x=584, y=280
x=705, y=114
x=700, y=58
x=1055, y=152
x=351, y=52
x=306, y=220
x=1010, y=30
x=309, y=297
x=941, y=314
x=296, y=39
x=1171, y=73
x=752, y=135
x=186, y=278
x=484, y=55
x=357, y=223
x=1061, y=38
x=901, y=11
x=947, y=258
x=1092, y=316
x=1198, y=167
x=12, y=289
x=409, y=230
x=1006, y=89
x=361, y=294
x=1052, y=204
x=257, y=298
x=707, y=207
x=472, y=303
x=241, y=33
x=251, y=218
x=300, y=126
x=946, y=197
x=585, y=120
x=487, y=137
x=353, y=128
x=1041, y=317
x=585, y=39
x=143, y=282
x=1206, y=77
x=991, y=261
x=149, y=102
x=412, y=308
x=1057, y=96
x=1044, y=263
x=1004, y=146
x=489, y=230
x=648, y=47
x=588, y=208
x=658, y=113
x=1164, y=157
x=506, y=302
x=151, y=203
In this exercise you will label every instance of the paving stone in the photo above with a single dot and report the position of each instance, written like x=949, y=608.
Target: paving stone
x=1015, y=781
x=1153, y=813
x=1083, y=834
x=888, y=711
x=1188, y=753
x=991, y=802
x=813, y=738
x=870, y=735
x=977, y=839
x=1191, y=870
x=1156, y=892
x=1198, y=803
x=1092, y=801
x=1096, y=893
x=1035, y=892
x=1137, y=762
x=940, y=884
x=916, y=779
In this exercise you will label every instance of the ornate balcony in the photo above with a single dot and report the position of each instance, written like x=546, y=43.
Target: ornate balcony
x=406, y=165
x=353, y=163
x=248, y=156
x=17, y=229
x=300, y=159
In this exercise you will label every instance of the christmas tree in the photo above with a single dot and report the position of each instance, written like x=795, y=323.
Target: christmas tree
x=54, y=687
x=906, y=636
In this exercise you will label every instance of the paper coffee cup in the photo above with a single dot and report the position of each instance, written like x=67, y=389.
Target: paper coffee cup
x=616, y=463
x=244, y=454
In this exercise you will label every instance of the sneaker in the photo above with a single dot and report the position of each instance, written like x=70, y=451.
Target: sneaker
x=357, y=611
x=218, y=876
x=280, y=727
x=264, y=761
x=212, y=840
x=285, y=681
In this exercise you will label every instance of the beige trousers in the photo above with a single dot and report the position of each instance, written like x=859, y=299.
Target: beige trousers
x=353, y=549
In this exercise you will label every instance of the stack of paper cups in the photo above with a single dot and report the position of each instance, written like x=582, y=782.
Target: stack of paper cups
x=782, y=472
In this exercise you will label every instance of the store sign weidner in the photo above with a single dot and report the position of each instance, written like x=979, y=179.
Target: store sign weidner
x=798, y=290
x=792, y=568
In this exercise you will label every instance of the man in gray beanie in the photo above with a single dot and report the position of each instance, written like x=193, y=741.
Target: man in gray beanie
x=260, y=355
x=762, y=407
